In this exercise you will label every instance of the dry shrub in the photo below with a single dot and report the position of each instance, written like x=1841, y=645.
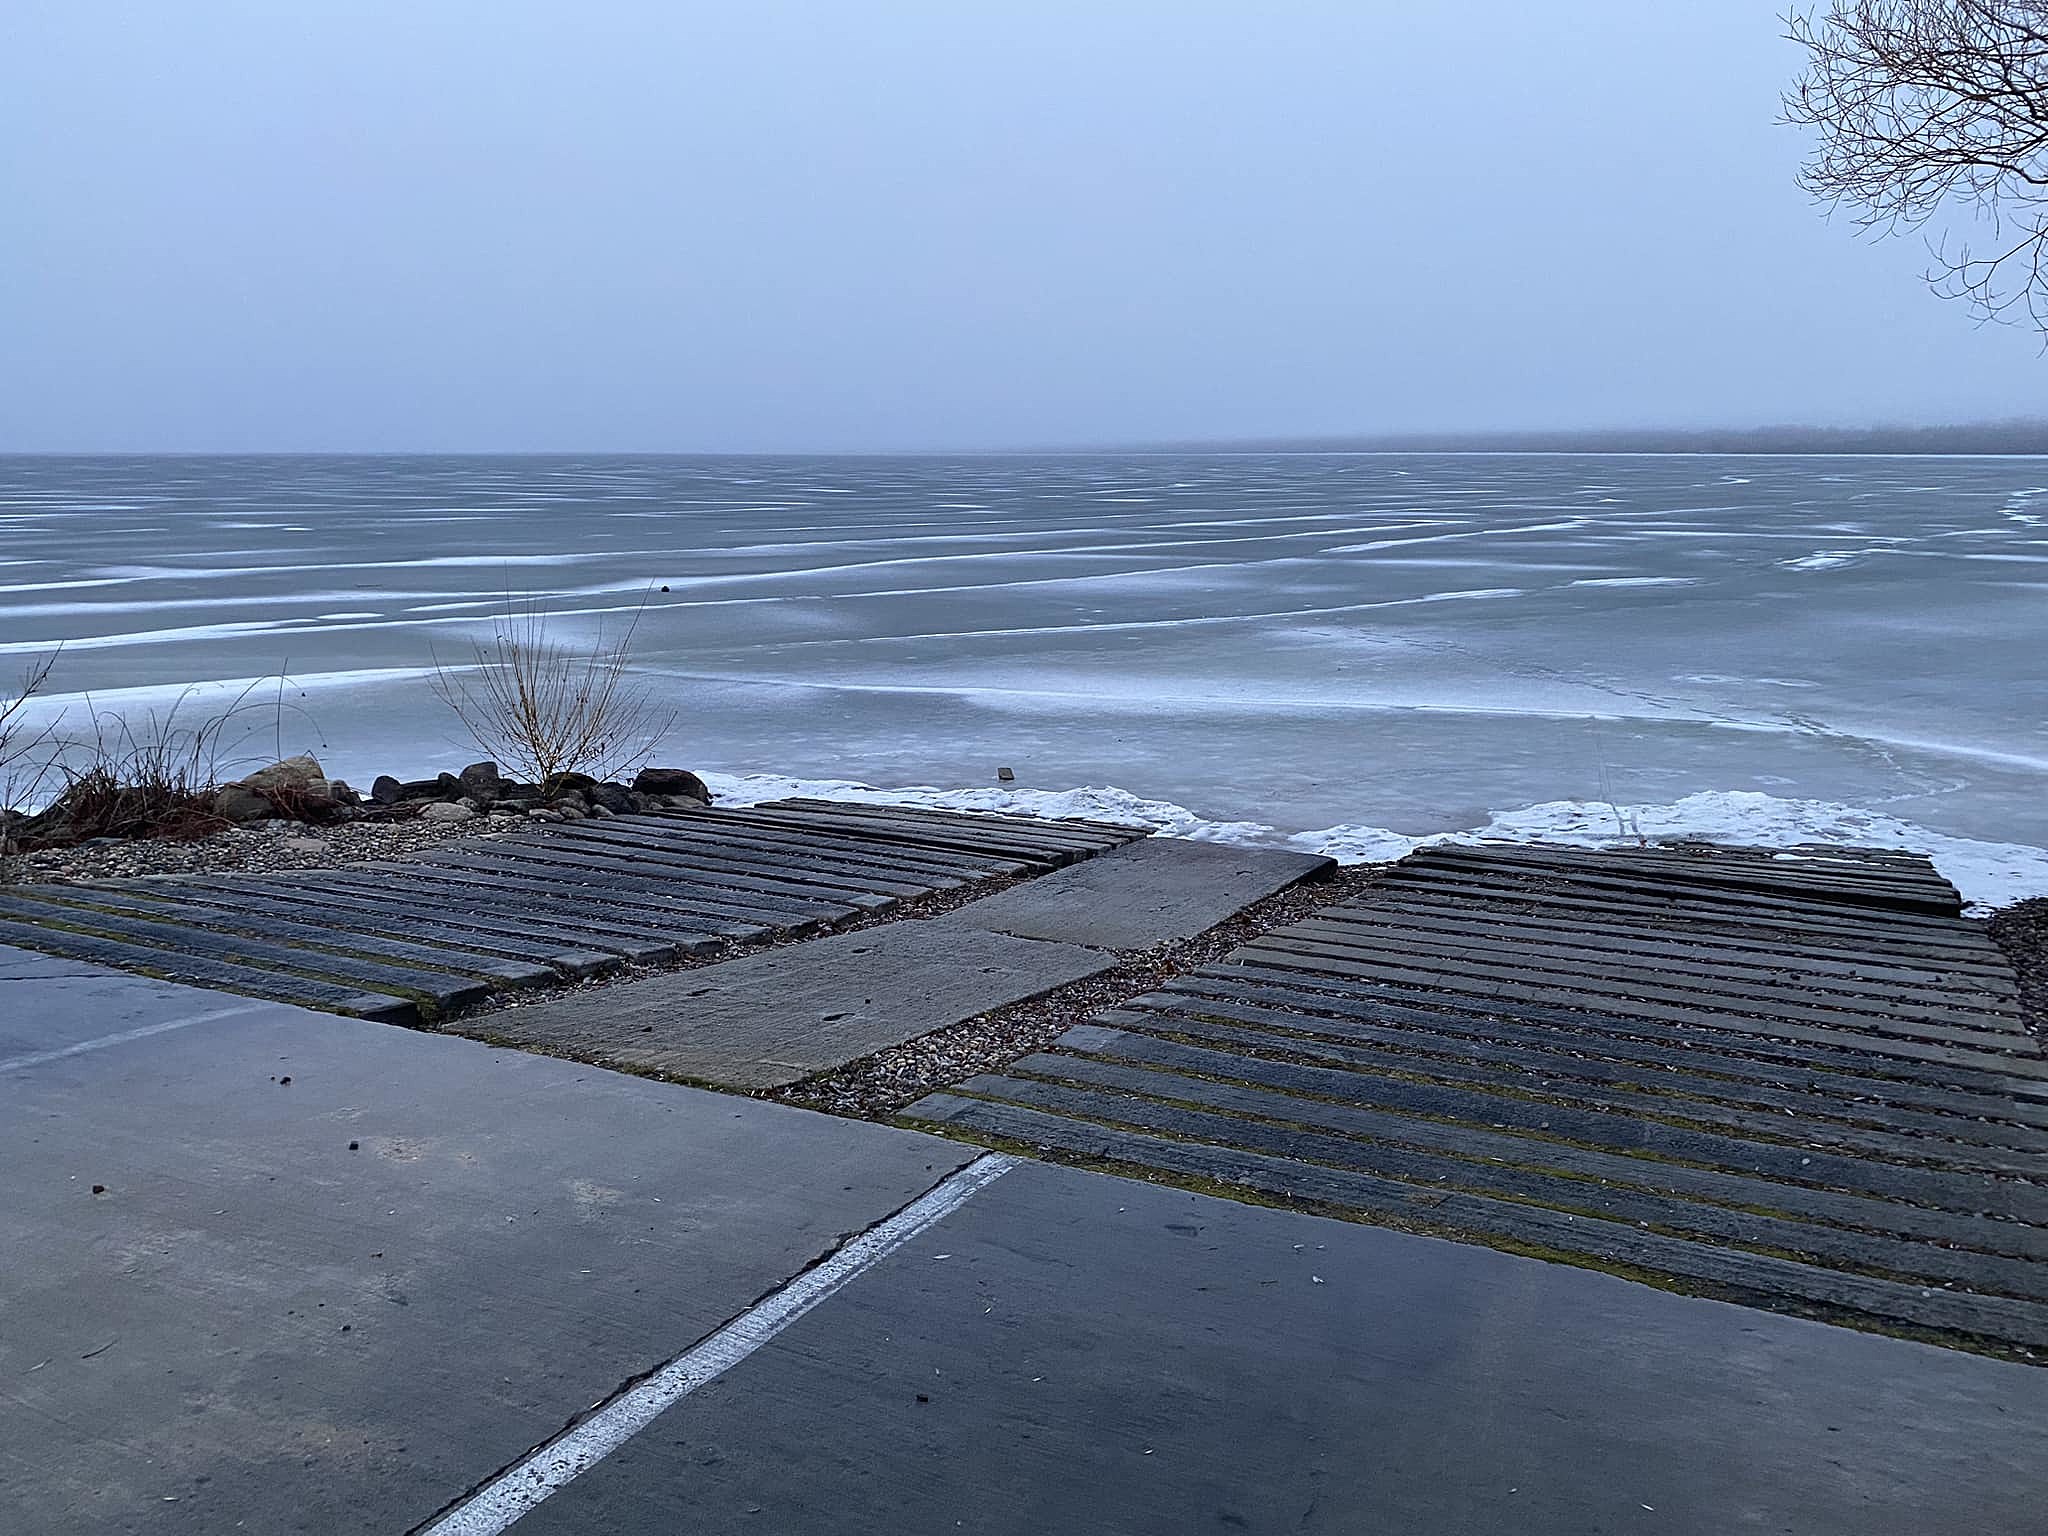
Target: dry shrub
x=543, y=709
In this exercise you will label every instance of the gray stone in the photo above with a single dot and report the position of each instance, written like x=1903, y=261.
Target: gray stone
x=671, y=781
x=386, y=790
x=301, y=772
x=616, y=799
x=482, y=782
x=342, y=793
x=447, y=810
x=424, y=789
x=238, y=802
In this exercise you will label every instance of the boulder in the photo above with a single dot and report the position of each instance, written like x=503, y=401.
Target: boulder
x=301, y=773
x=343, y=795
x=448, y=787
x=612, y=799
x=562, y=783
x=238, y=802
x=425, y=789
x=387, y=790
x=671, y=781
x=446, y=810
x=482, y=782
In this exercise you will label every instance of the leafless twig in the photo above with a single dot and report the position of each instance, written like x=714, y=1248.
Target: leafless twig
x=1926, y=104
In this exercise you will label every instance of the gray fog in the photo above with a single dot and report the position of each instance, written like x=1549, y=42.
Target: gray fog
x=655, y=225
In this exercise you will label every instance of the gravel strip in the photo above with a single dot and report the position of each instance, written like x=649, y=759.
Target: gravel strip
x=264, y=847
x=2021, y=930
x=877, y=1086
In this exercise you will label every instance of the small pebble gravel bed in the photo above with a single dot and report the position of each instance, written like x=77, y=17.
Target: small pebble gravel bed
x=877, y=1086
x=2021, y=930
x=261, y=848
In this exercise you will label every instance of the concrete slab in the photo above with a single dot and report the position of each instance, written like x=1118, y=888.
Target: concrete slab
x=1073, y=1352
x=49, y=1003
x=774, y=1018
x=257, y=1326
x=1143, y=894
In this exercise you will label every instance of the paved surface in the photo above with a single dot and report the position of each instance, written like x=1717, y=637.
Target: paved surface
x=419, y=939
x=1144, y=894
x=1075, y=1353
x=255, y=1327
x=768, y=1020
x=1800, y=1082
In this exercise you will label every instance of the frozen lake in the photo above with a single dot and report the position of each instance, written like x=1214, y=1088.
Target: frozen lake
x=1333, y=644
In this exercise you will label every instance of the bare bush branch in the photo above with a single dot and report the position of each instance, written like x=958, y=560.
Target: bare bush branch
x=543, y=709
x=19, y=743
x=1923, y=105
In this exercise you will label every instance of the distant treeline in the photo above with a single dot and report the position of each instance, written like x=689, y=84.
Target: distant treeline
x=2015, y=437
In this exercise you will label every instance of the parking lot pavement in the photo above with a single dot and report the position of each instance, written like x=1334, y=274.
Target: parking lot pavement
x=274, y=1270
x=1069, y=1351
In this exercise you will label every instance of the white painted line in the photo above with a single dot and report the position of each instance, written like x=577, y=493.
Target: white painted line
x=493, y=1508
x=37, y=1058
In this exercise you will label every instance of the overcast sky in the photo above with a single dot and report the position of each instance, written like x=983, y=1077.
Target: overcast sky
x=662, y=225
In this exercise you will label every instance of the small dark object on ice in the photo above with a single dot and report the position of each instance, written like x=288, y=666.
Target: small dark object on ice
x=282, y=1081
x=1005, y=775
x=99, y=1189
x=354, y=1145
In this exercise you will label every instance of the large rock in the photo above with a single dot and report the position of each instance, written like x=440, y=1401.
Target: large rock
x=238, y=803
x=296, y=788
x=301, y=772
x=612, y=799
x=430, y=789
x=448, y=810
x=482, y=782
x=671, y=781
x=386, y=790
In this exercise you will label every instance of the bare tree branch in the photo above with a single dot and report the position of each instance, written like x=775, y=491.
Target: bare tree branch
x=1926, y=105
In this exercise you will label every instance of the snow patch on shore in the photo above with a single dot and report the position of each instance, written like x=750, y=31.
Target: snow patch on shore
x=1989, y=874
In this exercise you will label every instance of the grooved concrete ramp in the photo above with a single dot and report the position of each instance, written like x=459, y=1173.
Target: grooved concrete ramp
x=1800, y=1081
x=412, y=940
x=772, y=1019
x=1144, y=894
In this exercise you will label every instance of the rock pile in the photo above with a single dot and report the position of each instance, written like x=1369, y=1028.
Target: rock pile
x=482, y=788
x=297, y=789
